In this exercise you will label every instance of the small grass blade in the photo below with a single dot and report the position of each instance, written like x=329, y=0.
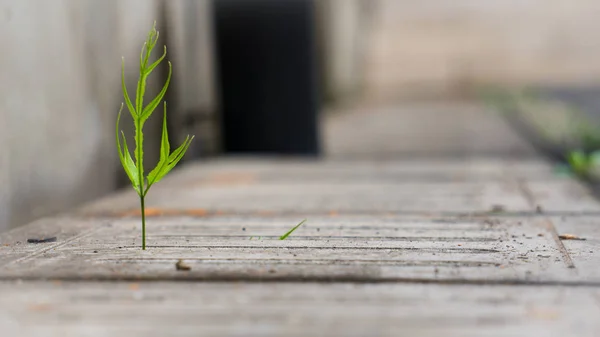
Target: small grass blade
x=284, y=236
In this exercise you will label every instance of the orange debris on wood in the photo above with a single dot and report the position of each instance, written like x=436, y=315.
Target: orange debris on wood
x=153, y=212
x=569, y=237
x=40, y=307
x=549, y=314
x=196, y=212
x=149, y=212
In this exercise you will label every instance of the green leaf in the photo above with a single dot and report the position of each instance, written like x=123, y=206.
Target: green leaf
x=125, y=94
x=172, y=161
x=147, y=111
x=149, y=44
x=129, y=166
x=153, y=36
x=284, y=236
x=157, y=62
x=125, y=157
x=165, y=148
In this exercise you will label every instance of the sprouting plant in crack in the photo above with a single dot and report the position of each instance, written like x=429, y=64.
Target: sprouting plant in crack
x=288, y=233
x=284, y=236
x=140, y=114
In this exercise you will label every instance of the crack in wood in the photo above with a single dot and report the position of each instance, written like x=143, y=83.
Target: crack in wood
x=330, y=237
x=435, y=250
x=306, y=279
x=549, y=225
x=333, y=262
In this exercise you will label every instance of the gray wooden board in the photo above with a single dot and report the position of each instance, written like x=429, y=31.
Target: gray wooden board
x=450, y=169
x=561, y=195
x=307, y=197
x=350, y=248
x=446, y=129
x=289, y=186
x=295, y=309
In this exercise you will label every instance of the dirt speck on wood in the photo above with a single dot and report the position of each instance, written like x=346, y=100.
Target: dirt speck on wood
x=44, y=240
x=180, y=265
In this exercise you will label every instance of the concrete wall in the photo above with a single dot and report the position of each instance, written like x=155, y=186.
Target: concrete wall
x=427, y=47
x=342, y=29
x=60, y=92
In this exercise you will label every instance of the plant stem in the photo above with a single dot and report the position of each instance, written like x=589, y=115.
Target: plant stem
x=140, y=166
x=143, y=222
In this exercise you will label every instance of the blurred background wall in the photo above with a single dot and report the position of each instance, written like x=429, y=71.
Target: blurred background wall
x=433, y=48
x=60, y=74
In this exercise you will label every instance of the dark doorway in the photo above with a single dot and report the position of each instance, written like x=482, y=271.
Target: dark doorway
x=267, y=71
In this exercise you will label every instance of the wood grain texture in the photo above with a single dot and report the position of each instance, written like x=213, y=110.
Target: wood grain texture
x=349, y=249
x=294, y=309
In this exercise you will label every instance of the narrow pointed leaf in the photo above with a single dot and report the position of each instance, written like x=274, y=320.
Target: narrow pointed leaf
x=147, y=111
x=164, y=152
x=117, y=134
x=144, y=46
x=165, y=147
x=129, y=165
x=125, y=94
x=178, y=154
x=153, y=38
x=174, y=158
x=125, y=156
x=157, y=62
x=180, y=151
x=284, y=236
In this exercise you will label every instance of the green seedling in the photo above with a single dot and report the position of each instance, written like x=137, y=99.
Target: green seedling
x=140, y=114
x=284, y=236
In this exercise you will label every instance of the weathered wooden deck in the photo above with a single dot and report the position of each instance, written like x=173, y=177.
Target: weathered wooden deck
x=421, y=221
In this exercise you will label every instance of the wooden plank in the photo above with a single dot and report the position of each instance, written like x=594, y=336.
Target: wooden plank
x=306, y=197
x=293, y=309
x=562, y=196
x=360, y=249
x=323, y=187
x=447, y=130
